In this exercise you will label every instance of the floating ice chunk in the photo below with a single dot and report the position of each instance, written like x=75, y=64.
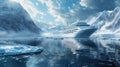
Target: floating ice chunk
x=9, y=50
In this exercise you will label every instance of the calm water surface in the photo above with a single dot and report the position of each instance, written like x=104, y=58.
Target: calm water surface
x=66, y=52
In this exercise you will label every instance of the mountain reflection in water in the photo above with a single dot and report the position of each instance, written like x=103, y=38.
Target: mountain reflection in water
x=67, y=52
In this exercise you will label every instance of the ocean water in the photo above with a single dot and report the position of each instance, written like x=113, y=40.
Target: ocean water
x=66, y=52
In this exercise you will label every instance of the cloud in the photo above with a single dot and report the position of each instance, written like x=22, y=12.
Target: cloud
x=117, y=3
x=76, y=10
x=60, y=9
x=65, y=11
x=99, y=5
x=83, y=3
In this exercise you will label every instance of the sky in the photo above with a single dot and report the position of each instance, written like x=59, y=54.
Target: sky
x=55, y=12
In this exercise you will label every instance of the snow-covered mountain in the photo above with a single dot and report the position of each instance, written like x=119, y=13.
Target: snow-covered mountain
x=14, y=18
x=107, y=22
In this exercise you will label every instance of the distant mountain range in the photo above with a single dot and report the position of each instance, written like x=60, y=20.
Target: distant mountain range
x=15, y=19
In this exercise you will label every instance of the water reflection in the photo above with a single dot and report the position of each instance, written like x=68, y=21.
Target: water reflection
x=68, y=52
x=13, y=61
